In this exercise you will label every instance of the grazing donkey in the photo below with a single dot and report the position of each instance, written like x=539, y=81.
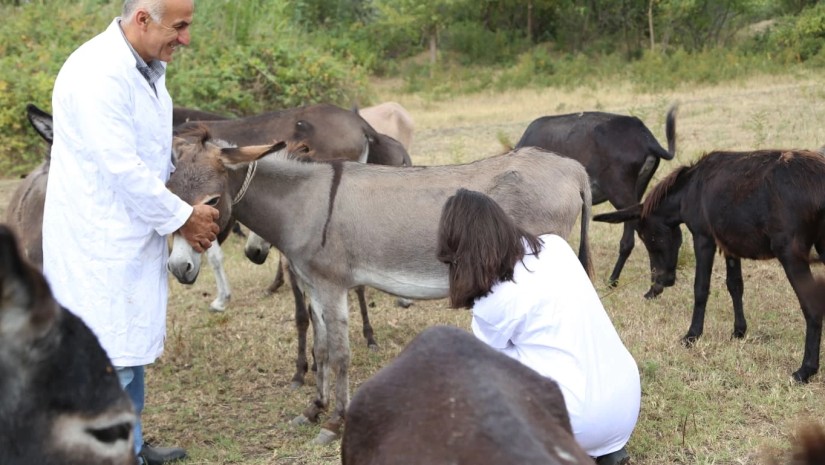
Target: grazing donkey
x=60, y=399
x=620, y=155
x=448, y=398
x=346, y=224
x=755, y=205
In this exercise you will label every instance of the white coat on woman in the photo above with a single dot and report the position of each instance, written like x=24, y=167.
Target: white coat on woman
x=107, y=208
x=550, y=318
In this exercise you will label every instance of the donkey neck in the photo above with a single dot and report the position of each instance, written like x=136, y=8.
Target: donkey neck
x=279, y=189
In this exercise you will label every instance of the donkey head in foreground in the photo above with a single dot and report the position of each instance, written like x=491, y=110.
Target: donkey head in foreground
x=60, y=398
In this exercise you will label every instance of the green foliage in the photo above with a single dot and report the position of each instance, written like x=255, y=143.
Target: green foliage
x=257, y=55
x=251, y=79
x=800, y=38
x=478, y=45
x=32, y=48
x=245, y=58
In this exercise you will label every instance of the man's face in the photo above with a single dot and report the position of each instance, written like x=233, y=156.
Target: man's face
x=161, y=38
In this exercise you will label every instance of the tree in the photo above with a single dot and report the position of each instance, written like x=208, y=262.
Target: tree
x=428, y=17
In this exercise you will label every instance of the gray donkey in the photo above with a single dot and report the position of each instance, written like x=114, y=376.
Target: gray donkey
x=352, y=224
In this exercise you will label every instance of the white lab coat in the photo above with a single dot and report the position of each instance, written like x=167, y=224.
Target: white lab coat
x=551, y=319
x=107, y=208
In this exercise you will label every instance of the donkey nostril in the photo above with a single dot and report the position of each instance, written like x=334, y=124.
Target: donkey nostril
x=112, y=433
x=189, y=268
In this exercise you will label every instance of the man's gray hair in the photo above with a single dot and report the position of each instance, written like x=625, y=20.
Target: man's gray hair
x=154, y=7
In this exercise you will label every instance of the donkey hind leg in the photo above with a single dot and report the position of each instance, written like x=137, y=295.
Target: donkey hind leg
x=811, y=297
x=333, y=354
x=215, y=256
x=301, y=326
x=736, y=288
x=369, y=334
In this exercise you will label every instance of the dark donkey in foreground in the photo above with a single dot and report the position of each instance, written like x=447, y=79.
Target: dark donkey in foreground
x=754, y=205
x=620, y=155
x=448, y=398
x=346, y=224
x=60, y=399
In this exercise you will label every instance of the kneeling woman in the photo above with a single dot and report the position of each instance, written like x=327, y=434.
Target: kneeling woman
x=532, y=300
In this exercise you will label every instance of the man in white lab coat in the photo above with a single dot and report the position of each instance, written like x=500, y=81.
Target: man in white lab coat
x=107, y=209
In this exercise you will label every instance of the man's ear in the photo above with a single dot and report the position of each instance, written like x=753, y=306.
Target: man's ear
x=142, y=18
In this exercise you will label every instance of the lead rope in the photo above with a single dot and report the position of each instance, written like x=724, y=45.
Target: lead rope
x=250, y=172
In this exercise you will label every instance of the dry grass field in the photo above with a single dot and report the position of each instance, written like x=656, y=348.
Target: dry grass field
x=222, y=387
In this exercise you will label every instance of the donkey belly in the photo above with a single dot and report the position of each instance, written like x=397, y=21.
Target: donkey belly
x=405, y=283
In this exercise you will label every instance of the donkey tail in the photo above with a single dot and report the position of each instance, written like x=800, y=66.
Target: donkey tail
x=584, y=240
x=670, y=132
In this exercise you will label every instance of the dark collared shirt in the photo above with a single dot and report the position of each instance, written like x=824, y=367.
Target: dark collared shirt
x=152, y=71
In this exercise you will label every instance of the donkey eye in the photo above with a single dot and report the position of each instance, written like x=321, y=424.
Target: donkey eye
x=212, y=202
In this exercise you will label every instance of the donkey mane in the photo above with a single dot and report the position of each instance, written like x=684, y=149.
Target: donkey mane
x=659, y=191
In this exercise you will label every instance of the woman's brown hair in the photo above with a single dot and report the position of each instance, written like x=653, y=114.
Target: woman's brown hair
x=480, y=243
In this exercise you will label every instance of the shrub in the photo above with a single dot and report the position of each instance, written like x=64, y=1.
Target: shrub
x=33, y=46
x=231, y=67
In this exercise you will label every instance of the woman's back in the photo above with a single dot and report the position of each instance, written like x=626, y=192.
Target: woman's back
x=550, y=318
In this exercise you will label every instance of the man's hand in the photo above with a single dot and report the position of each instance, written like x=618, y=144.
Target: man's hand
x=201, y=229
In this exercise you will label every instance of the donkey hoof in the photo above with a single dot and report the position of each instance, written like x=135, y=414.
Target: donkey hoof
x=655, y=291
x=218, y=305
x=300, y=420
x=324, y=437
x=689, y=341
x=296, y=384
x=403, y=303
x=373, y=347
x=802, y=376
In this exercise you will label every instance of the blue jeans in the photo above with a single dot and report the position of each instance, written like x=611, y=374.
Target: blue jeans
x=131, y=378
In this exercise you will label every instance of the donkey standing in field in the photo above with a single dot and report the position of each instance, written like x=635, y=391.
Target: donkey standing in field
x=344, y=224
x=755, y=205
x=60, y=399
x=620, y=155
x=472, y=406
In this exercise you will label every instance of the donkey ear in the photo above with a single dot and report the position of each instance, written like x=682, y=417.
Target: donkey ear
x=234, y=155
x=27, y=309
x=620, y=216
x=41, y=121
x=177, y=145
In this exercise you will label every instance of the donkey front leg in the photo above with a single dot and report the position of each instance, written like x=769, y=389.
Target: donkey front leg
x=333, y=355
x=736, y=289
x=704, y=248
x=214, y=255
